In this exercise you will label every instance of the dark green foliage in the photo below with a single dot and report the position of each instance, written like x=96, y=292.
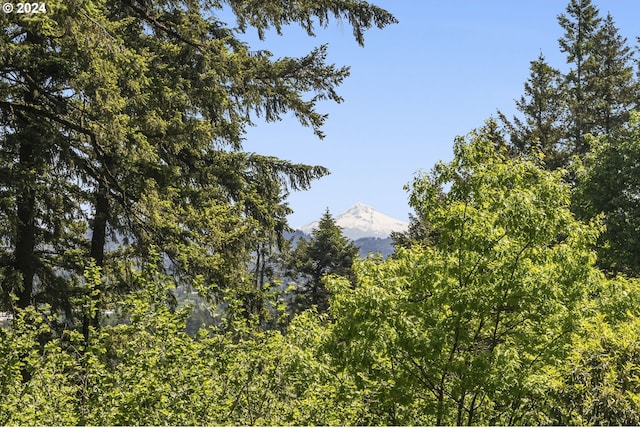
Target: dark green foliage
x=562, y=113
x=419, y=232
x=543, y=106
x=594, y=97
x=501, y=320
x=124, y=120
x=120, y=161
x=610, y=184
x=580, y=24
x=600, y=85
x=615, y=88
x=327, y=252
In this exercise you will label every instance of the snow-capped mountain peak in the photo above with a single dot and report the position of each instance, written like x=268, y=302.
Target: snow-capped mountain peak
x=361, y=221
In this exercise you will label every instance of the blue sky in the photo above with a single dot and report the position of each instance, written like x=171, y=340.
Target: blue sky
x=441, y=72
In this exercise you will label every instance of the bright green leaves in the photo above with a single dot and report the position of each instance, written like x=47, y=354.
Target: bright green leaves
x=36, y=379
x=600, y=381
x=466, y=329
x=148, y=370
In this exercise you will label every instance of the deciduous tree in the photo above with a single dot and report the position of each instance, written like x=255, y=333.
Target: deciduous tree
x=464, y=331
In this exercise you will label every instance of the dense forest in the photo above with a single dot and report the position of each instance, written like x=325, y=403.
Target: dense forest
x=144, y=273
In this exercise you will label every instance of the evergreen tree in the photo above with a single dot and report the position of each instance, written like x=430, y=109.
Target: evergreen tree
x=615, y=89
x=610, y=185
x=594, y=97
x=327, y=252
x=544, y=110
x=416, y=233
x=581, y=24
x=127, y=117
x=41, y=197
x=419, y=232
x=600, y=85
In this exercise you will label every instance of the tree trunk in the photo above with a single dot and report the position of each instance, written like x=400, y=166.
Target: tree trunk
x=98, y=241
x=98, y=237
x=29, y=146
x=24, y=256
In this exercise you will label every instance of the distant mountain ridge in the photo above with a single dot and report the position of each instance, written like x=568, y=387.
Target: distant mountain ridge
x=375, y=245
x=362, y=221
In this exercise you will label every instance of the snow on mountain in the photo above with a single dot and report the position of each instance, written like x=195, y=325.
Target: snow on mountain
x=361, y=221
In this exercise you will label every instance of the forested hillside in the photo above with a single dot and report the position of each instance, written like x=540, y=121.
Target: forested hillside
x=146, y=279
